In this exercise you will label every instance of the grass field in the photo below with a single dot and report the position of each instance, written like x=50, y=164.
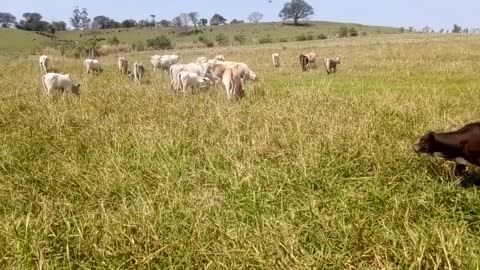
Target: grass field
x=16, y=41
x=308, y=171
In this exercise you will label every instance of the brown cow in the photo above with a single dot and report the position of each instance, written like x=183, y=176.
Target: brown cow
x=461, y=146
x=304, y=62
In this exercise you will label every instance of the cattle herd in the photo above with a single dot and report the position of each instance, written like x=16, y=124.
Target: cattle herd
x=461, y=146
x=201, y=74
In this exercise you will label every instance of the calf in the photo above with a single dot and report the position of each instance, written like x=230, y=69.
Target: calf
x=92, y=65
x=304, y=62
x=276, y=59
x=192, y=80
x=123, y=65
x=138, y=72
x=43, y=61
x=232, y=81
x=54, y=81
x=461, y=146
x=331, y=64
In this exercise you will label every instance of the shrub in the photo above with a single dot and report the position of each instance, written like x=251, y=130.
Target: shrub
x=322, y=36
x=240, y=39
x=206, y=41
x=265, y=40
x=364, y=33
x=209, y=44
x=305, y=37
x=113, y=41
x=138, y=46
x=283, y=39
x=160, y=42
x=222, y=39
x=343, y=32
x=353, y=32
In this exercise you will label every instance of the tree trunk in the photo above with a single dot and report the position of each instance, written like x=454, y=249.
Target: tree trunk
x=295, y=21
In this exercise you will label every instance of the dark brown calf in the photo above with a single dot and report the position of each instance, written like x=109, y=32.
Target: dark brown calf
x=461, y=146
x=304, y=61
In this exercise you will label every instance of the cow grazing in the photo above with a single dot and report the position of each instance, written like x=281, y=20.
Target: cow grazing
x=163, y=62
x=232, y=82
x=219, y=67
x=220, y=57
x=138, y=72
x=202, y=70
x=54, y=81
x=312, y=59
x=461, y=146
x=192, y=80
x=123, y=65
x=276, y=59
x=43, y=61
x=304, y=62
x=202, y=60
x=92, y=65
x=331, y=64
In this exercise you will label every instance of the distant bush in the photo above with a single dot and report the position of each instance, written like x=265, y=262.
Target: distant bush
x=283, y=39
x=86, y=48
x=322, y=36
x=222, y=39
x=208, y=43
x=305, y=37
x=160, y=42
x=138, y=46
x=353, y=32
x=364, y=33
x=343, y=32
x=240, y=39
x=113, y=41
x=265, y=40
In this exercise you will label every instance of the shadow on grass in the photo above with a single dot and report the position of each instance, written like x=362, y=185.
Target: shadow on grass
x=471, y=179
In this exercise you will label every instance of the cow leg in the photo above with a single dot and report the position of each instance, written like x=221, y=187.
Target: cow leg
x=460, y=169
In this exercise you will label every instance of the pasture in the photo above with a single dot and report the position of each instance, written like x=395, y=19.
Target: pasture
x=308, y=171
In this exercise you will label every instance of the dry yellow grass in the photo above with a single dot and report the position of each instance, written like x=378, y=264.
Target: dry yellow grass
x=309, y=171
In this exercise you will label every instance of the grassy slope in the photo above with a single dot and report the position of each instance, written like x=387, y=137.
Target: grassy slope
x=308, y=171
x=275, y=30
x=13, y=41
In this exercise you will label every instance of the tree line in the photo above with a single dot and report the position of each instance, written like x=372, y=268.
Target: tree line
x=80, y=20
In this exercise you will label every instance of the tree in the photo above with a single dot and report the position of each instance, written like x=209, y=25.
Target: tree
x=255, y=17
x=153, y=19
x=165, y=23
x=59, y=26
x=193, y=16
x=235, y=21
x=177, y=22
x=185, y=19
x=203, y=22
x=343, y=32
x=296, y=10
x=33, y=22
x=143, y=23
x=426, y=29
x=7, y=19
x=456, y=29
x=217, y=19
x=129, y=23
x=85, y=20
x=442, y=30
x=101, y=22
x=76, y=20
x=402, y=29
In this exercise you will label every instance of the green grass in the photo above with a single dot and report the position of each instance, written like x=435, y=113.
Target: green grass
x=309, y=171
x=18, y=41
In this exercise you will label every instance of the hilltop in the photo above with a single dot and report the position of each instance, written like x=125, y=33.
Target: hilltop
x=20, y=41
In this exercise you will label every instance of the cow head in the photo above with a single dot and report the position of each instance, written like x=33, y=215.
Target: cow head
x=76, y=89
x=204, y=82
x=424, y=145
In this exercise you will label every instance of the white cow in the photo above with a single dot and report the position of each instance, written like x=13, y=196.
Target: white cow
x=123, y=65
x=202, y=70
x=244, y=70
x=163, y=62
x=276, y=59
x=138, y=72
x=232, y=81
x=192, y=80
x=92, y=65
x=54, y=81
x=331, y=64
x=202, y=60
x=44, y=62
x=220, y=57
x=312, y=59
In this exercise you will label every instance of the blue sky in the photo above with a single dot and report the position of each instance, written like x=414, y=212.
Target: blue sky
x=418, y=13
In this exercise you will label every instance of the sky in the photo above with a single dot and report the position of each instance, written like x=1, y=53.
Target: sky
x=417, y=13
